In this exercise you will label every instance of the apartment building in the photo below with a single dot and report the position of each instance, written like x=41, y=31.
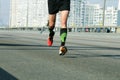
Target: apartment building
x=111, y=16
x=34, y=13
x=28, y=13
x=77, y=12
x=94, y=15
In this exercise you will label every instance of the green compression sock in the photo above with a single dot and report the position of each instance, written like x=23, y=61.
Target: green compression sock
x=63, y=35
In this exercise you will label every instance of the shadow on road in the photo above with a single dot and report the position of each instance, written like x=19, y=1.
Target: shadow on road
x=10, y=44
x=92, y=55
x=71, y=48
x=45, y=47
x=4, y=75
x=79, y=55
x=92, y=48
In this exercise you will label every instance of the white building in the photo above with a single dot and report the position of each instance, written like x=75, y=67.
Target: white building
x=111, y=16
x=93, y=15
x=34, y=13
x=76, y=16
x=28, y=13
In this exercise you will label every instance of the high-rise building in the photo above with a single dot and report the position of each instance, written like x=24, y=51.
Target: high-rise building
x=28, y=13
x=93, y=15
x=111, y=16
x=34, y=13
x=76, y=16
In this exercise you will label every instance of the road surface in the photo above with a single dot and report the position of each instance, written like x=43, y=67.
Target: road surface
x=24, y=55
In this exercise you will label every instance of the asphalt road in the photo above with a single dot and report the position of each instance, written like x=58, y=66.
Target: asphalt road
x=24, y=55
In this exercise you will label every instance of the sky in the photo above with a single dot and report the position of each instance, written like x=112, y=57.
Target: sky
x=4, y=8
x=108, y=2
x=4, y=12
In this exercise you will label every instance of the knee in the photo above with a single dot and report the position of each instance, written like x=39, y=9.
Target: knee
x=51, y=23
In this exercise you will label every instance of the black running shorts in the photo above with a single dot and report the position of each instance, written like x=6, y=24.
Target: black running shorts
x=58, y=5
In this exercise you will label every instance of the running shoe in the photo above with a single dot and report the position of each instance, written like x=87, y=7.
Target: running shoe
x=50, y=39
x=62, y=50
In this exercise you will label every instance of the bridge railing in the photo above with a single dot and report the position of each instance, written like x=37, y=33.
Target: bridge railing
x=97, y=29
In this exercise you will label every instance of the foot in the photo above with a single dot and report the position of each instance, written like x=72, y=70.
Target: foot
x=50, y=39
x=62, y=50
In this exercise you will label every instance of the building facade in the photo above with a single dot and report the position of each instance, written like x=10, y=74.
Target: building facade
x=76, y=17
x=111, y=16
x=28, y=13
x=94, y=15
x=34, y=13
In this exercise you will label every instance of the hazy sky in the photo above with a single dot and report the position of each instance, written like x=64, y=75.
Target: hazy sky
x=4, y=9
x=108, y=2
x=4, y=12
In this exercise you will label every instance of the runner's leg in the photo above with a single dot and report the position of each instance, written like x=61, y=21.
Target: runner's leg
x=52, y=19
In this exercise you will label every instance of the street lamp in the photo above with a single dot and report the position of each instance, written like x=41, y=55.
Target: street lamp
x=104, y=7
x=27, y=16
